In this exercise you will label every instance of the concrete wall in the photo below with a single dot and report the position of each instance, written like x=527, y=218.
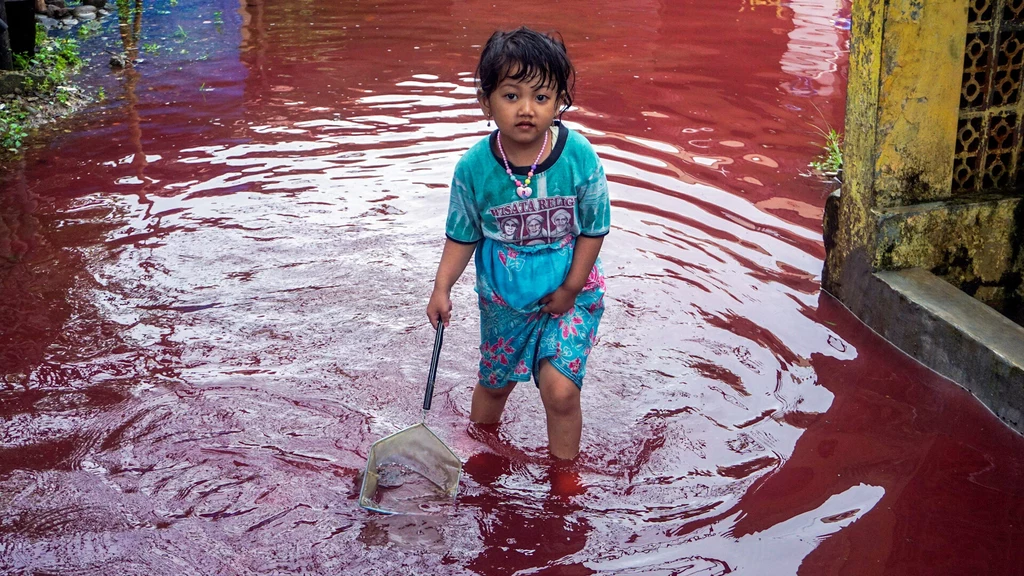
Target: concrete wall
x=898, y=209
x=931, y=156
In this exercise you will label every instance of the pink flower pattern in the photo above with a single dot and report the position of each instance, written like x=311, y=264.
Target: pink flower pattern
x=568, y=325
x=511, y=338
x=497, y=353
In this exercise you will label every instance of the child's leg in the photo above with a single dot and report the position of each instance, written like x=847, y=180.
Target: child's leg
x=489, y=403
x=565, y=418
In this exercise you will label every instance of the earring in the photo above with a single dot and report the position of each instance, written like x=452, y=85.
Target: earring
x=488, y=121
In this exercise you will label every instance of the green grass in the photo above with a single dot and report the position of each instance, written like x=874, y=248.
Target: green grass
x=830, y=161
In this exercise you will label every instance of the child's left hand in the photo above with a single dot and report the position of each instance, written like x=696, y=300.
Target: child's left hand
x=558, y=302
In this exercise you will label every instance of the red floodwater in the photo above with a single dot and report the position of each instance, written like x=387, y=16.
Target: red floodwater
x=214, y=303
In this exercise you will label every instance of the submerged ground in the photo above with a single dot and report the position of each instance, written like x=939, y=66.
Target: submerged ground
x=216, y=301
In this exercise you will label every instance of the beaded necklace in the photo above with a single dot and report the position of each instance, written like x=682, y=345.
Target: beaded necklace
x=523, y=188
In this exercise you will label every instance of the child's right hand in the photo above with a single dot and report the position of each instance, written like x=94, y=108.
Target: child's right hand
x=439, y=307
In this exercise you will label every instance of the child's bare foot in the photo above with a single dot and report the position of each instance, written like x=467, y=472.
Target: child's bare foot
x=565, y=481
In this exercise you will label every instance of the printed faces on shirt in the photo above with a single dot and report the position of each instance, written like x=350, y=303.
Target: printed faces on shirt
x=536, y=220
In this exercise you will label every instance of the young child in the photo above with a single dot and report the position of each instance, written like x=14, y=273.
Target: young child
x=540, y=302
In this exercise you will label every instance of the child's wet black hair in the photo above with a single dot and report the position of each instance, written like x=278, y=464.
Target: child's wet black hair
x=528, y=55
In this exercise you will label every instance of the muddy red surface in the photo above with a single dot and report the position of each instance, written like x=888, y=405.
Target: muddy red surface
x=212, y=304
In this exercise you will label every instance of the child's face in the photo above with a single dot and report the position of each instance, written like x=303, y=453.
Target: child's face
x=522, y=110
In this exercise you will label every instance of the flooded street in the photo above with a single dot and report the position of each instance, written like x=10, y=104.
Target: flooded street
x=214, y=293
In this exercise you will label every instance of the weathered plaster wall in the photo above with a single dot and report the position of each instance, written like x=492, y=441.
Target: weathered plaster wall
x=964, y=242
x=918, y=100
x=847, y=260
x=897, y=209
x=898, y=229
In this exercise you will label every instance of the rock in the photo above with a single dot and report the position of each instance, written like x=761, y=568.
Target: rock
x=97, y=3
x=57, y=13
x=84, y=12
x=11, y=82
x=46, y=21
x=68, y=21
x=57, y=3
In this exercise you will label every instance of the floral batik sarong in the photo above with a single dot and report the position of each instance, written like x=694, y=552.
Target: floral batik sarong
x=515, y=336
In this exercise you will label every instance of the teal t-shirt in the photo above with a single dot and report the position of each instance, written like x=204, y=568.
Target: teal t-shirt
x=527, y=244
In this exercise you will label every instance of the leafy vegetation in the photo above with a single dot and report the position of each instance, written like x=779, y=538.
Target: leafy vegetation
x=48, y=74
x=12, y=126
x=128, y=8
x=88, y=29
x=55, y=60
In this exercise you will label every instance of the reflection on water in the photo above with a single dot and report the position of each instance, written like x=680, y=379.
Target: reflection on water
x=213, y=306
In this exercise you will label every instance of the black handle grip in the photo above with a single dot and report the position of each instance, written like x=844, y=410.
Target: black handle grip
x=428, y=395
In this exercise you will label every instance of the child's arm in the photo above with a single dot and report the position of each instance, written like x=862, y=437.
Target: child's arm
x=583, y=258
x=454, y=259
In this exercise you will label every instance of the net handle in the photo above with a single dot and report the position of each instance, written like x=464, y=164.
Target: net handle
x=428, y=394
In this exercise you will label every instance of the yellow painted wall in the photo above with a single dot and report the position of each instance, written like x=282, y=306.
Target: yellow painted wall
x=919, y=99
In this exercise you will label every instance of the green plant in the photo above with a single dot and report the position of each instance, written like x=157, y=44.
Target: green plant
x=12, y=126
x=181, y=33
x=174, y=3
x=56, y=59
x=48, y=74
x=101, y=94
x=41, y=34
x=151, y=48
x=218, y=17
x=88, y=29
x=830, y=161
